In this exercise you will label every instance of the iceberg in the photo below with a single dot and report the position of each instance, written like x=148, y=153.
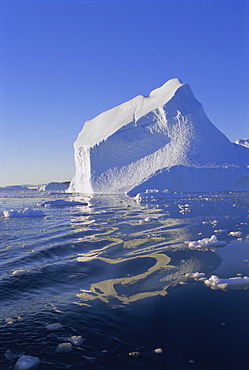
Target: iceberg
x=162, y=141
x=54, y=186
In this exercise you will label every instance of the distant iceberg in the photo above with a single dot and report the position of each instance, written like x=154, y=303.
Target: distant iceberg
x=15, y=188
x=163, y=141
x=54, y=186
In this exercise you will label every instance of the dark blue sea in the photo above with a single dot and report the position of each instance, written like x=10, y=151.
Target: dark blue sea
x=112, y=273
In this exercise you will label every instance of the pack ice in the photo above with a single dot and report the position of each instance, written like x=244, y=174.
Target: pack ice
x=162, y=141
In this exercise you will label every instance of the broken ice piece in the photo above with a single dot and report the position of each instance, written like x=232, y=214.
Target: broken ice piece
x=64, y=347
x=53, y=327
x=76, y=340
x=27, y=363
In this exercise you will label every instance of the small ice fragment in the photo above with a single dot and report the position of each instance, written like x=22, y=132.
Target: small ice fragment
x=238, y=234
x=64, y=347
x=27, y=363
x=149, y=219
x=76, y=340
x=53, y=327
x=9, y=320
x=196, y=275
x=18, y=272
x=158, y=350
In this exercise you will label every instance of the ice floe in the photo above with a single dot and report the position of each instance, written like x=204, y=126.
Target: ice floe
x=26, y=212
x=206, y=243
x=61, y=203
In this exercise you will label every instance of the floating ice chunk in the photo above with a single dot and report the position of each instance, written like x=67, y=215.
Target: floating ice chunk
x=220, y=231
x=149, y=219
x=76, y=340
x=196, y=275
x=158, y=350
x=206, y=243
x=215, y=282
x=238, y=234
x=64, y=347
x=27, y=363
x=62, y=203
x=26, y=212
x=22, y=272
x=53, y=327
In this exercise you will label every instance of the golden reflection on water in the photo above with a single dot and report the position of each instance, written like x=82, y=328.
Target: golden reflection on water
x=105, y=289
x=129, y=237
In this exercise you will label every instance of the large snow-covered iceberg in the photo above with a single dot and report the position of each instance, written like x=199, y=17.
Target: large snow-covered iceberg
x=163, y=141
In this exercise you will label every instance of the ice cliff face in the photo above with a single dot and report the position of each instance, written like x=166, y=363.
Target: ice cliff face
x=161, y=141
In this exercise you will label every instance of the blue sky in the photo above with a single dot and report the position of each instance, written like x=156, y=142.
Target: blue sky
x=63, y=62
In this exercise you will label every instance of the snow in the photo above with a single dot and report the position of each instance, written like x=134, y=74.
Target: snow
x=206, y=243
x=26, y=212
x=215, y=282
x=27, y=363
x=163, y=141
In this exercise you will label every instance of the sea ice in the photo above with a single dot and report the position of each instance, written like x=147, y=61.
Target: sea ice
x=206, y=243
x=215, y=282
x=27, y=363
x=61, y=203
x=26, y=212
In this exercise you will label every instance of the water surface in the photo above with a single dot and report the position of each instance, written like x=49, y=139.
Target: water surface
x=113, y=271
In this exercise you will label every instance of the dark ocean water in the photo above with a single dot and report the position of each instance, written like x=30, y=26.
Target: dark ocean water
x=113, y=272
